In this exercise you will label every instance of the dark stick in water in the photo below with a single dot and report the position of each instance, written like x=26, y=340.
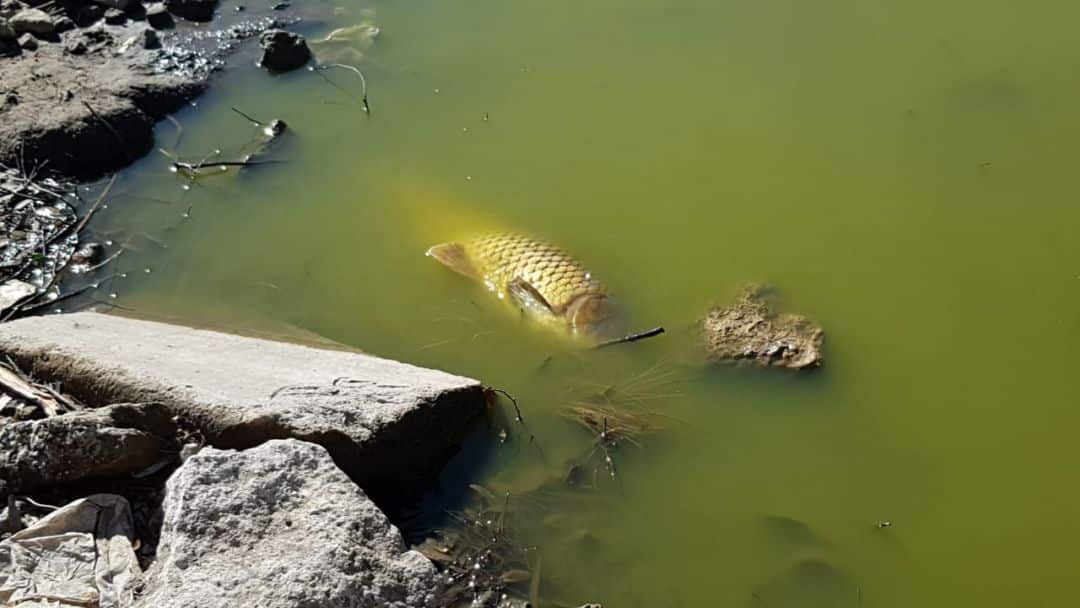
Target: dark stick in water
x=258, y=123
x=656, y=331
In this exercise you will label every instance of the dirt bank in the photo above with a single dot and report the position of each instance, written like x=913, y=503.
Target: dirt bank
x=81, y=86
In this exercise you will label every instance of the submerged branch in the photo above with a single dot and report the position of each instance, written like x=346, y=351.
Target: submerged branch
x=656, y=331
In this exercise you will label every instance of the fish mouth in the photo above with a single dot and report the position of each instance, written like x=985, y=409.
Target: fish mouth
x=595, y=316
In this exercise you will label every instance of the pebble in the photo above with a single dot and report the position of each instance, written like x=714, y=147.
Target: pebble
x=28, y=43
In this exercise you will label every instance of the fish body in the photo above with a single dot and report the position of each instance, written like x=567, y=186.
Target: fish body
x=540, y=278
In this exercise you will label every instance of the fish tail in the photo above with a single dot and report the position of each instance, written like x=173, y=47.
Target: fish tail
x=453, y=256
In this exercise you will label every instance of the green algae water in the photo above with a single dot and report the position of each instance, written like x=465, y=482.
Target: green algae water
x=902, y=172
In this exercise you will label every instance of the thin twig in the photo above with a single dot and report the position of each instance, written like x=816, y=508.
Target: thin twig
x=363, y=81
x=227, y=163
x=258, y=123
x=179, y=130
x=656, y=331
x=517, y=409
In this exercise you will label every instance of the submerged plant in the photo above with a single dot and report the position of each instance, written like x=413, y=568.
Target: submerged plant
x=483, y=560
x=624, y=411
x=616, y=414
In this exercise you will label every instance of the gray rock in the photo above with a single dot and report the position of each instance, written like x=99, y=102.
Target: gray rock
x=388, y=425
x=90, y=13
x=33, y=21
x=749, y=331
x=279, y=526
x=115, y=16
x=28, y=43
x=75, y=47
x=10, y=7
x=192, y=10
x=159, y=18
x=64, y=24
x=150, y=39
x=6, y=31
x=283, y=51
x=146, y=38
x=14, y=291
x=91, y=444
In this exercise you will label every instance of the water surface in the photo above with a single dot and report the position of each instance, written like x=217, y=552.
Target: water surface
x=903, y=172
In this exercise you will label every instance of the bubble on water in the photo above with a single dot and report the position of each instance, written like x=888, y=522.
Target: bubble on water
x=436, y=91
x=186, y=187
x=113, y=295
x=468, y=178
x=146, y=270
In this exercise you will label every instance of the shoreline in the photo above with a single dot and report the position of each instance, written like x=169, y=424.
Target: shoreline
x=83, y=99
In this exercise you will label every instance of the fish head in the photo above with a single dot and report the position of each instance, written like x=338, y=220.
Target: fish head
x=595, y=316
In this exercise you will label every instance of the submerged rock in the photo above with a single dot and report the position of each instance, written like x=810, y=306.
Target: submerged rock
x=810, y=581
x=283, y=51
x=279, y=526
x=750, y=331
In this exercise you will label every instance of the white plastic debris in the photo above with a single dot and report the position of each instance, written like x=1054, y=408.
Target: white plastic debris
x=80, y=555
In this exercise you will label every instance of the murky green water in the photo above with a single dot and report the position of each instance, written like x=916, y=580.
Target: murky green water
x=904, y=172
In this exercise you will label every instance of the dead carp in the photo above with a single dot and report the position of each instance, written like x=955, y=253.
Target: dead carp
x=538, y=277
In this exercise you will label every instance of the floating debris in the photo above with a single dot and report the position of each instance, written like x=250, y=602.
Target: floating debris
x=749, y=331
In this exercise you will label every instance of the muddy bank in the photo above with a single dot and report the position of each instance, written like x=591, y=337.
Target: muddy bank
x=82, y=84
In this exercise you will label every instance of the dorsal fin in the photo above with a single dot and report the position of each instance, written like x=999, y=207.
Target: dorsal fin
x=452, y=255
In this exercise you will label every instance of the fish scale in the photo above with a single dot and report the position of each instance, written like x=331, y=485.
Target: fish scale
x=501, y=258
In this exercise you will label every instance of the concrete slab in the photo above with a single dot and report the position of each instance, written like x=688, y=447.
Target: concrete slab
x=388, y=425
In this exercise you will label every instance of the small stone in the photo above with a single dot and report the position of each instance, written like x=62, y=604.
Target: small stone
x=64, y=24
x=145, y=39
x=150, y=39
x=280, y=6
x=192, y=10
x=33, y=21
x=159, y=18
x=10, y=7
x=90, y=253
x=28, y=43
x=13, y=292
x=283, y=51
x=75, y=47
x=115, y=16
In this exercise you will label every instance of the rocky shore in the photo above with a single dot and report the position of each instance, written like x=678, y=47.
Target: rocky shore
x=245, y=472
x=83, y=82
